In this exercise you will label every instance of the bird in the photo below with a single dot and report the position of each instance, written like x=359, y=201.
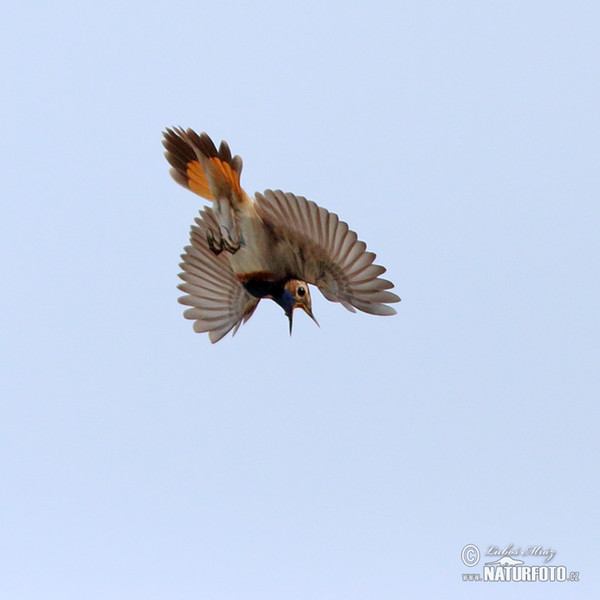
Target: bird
x=273, y=245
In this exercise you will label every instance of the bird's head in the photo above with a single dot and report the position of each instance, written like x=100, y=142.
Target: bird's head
x=296, y=295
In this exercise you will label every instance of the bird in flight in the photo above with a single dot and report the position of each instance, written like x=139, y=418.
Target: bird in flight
x=243, y=249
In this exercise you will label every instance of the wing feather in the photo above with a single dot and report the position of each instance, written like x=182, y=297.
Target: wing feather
x=219, y=302
x=317, y=247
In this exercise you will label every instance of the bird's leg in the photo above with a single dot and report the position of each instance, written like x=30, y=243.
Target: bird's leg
x=228, y=242
x=223, y=242
x=230, y=237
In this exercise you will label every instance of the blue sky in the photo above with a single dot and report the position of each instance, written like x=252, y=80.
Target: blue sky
x=354, y=460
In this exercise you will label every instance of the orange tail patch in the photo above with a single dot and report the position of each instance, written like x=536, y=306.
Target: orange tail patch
x=196, y=180
x=199, y=166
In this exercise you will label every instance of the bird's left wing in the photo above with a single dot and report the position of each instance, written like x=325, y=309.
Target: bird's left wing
x=219, y=301
x=319, y=248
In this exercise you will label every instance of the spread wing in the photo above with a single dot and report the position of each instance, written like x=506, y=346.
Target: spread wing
x=321, y=249
x=219, y=301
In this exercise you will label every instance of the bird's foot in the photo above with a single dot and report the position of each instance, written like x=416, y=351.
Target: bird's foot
x=216, y=246
x=228, y=243
x=223, y=242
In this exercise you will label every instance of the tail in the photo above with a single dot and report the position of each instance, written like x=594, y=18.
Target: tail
x=199, y=166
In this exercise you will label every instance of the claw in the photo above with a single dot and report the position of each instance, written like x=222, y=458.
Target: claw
x=213, y=244
x=228, y=243
x=223, y=242
x=230, y=247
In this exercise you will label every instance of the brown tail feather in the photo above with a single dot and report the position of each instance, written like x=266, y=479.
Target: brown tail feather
x=199, y=166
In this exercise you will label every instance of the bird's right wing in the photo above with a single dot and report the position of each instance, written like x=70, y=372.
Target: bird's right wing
x=319, y=248
x=219, y=301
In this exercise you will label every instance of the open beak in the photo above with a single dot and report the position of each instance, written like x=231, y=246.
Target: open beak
x=310, y=314
x=307, y=310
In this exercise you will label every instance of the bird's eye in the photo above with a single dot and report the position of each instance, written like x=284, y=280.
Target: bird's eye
x=301, y=291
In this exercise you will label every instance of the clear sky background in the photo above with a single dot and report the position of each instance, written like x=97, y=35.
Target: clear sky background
x=352, y=461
